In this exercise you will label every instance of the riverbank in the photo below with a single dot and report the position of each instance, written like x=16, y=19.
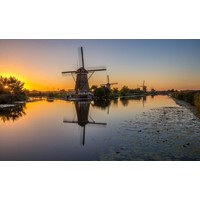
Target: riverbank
x=187, y=105
x=6, y=106
x=192, y=97
x=16, y=103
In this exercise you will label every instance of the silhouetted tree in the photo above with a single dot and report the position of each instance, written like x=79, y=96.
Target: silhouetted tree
x=93, y=88
x=13, y=85
x=124, y=91
x=11, y=89
x=102, y=92
x=115, y=91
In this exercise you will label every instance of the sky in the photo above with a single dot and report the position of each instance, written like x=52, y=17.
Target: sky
x=163, y=64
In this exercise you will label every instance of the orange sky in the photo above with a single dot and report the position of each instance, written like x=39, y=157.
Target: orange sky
x=163, y=64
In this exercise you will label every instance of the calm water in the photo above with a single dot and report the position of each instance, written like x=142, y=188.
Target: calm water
x=63, y=130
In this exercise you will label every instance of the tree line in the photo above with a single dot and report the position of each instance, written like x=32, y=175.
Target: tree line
x=104, y=92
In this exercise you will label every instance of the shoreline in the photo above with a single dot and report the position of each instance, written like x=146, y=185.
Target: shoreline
x=6, y=106
x=188, y=106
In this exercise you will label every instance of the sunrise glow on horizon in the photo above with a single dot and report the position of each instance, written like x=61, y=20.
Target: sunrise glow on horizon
x=163, y=64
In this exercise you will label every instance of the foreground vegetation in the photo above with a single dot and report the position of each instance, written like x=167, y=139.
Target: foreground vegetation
x=11, y=89
x=192, y=97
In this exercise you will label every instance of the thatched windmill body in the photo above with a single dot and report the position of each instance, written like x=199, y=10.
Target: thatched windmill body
x=82, y=112
x=81, y=77
x=108, y=84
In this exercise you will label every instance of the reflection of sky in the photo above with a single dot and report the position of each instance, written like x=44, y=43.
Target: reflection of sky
x=162, y=63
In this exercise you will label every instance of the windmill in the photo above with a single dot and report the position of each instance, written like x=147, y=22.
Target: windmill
x=144, y=87
x=108, y=84
x=81, y=79
x=82, y=112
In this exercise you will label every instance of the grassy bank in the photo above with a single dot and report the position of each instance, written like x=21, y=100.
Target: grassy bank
x=192, y=97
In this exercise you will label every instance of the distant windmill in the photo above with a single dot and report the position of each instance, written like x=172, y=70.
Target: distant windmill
x=108, y=84
x=144, y=87
x=82, y=111
x=81, y=79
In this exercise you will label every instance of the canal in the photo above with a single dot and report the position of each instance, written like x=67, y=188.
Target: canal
x=142, y=128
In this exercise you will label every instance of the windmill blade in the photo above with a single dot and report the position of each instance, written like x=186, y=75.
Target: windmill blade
x=83, y=139
x=68, y=72
x=97, y=123
x=96, y=68
x=108, y=78
x=70, y=122
x=93, y=122
x=81, y=57
x=113, y=83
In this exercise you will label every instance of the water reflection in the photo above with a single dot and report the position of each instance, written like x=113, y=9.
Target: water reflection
x=83, y=117
x=103, y=104
x=12, y=113
x=106, y=104
x=144, y=99
x=126, y=100
x=156, y=132
x=115, y=102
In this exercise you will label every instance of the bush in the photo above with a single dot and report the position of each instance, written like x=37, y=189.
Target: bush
x=187, y=96
x=197, y=100
x=192, y=97
x=178, y=95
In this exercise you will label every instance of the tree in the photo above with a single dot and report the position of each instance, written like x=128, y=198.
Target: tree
x=99, y=92
x=11, y=89
x=3, y=86
x=115, y=91
x=15, y=86
x=12, y=85
x=124, y=91
x=93, y=88
x=102, y=92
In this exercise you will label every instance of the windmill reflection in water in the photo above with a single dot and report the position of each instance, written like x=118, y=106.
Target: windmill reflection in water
x=83, y=117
